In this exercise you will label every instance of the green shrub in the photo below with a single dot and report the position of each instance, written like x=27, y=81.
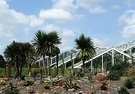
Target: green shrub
x=114, y=75
x=123, y=90
x=11, y=90
x=131, y=72
x=79, y=73
x=28, y=82
x=120, y=67
x=129, y=83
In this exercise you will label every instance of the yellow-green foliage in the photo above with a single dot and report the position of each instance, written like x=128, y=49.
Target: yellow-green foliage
x=131, y=72
x=2, y=82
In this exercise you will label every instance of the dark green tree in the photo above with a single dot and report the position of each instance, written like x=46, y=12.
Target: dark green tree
x=40, y=43
x=16, y=54
x=2, y=62
x=85, y=47
x=52, y=41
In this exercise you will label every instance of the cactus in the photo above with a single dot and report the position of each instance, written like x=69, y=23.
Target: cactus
x=40, y=75
x=55, y=71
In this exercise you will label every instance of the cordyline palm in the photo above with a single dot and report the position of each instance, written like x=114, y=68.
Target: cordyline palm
x=12, y=55
x=40, y=43
x=27, y=53
x=52, y=41
x=16, y=53
x=86, y=48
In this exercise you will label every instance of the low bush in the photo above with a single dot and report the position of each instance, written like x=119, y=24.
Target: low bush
x=10, y=90
x=129, y=83
x=123, y=90
x=79, y=73
x=28, y=82
x=131, y=72
x=114, y=75
x=120, y=67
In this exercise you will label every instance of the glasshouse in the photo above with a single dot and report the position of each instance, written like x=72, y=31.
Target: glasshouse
x=101, y=61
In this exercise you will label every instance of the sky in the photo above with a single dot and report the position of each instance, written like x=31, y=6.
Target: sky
x=107, y=22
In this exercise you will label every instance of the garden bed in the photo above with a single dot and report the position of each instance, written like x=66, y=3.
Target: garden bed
x=86, y=87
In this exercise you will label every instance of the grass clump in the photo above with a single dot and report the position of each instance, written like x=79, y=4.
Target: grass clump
x=123, y=90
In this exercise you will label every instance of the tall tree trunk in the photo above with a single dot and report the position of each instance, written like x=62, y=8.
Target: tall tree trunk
x=29, y=66
x=45, y=67
x=83, y=60
x=17, y=68
x=20, y=72
x=49, y=69
x=72, y=61
x=57, y=64
x=50, y=54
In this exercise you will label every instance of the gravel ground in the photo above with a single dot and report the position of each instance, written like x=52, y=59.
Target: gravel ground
x=86, y=87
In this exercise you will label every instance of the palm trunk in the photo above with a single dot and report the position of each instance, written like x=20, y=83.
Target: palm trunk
x=17, y=70
x=49, y=69
x=72, y=61
x=45, y=69
x=57, y=65
x=83, y=60
x=29, y=66
x=20, y=72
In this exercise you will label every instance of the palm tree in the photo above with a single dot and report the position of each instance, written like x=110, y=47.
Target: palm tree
x=12, y=55
x=16, y=54
x=52, y=41
x=86, y=48
x=40, y=43
x=27, y=53
x=2, y=62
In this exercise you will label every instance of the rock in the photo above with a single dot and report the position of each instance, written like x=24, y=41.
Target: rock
x=71, y=89
x=57, y=87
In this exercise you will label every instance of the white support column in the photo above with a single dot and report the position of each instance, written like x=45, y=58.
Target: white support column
x=102, y=64
x=39, y=63
x=54, y=60
x=130, y=53
x=64, y=63
x=123, y=58
x=51, y=61
x=73, y=62
x=47, y=60
x=91, y=65
x=43, y=62
x=112, y=57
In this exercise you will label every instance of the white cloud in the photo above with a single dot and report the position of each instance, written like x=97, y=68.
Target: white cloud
x=68, y=33
x=66, y=45
x=92, y=5
x=129, y=19
x=97, y=9
x=99, y=42
x=128, y=31
x=10, y=20
x=34, y=21
x=115, y=7
x=129, y=2
x=3, y=4
x=56, y=14
x=26, y=31
x=9, y=35
x=51, y=27
x=64, y=4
